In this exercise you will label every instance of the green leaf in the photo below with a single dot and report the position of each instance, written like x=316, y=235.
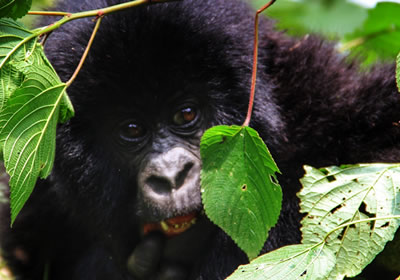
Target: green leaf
x=334, y=196
x=14, y=8
x=380, y=34
x=16, y=42
x=33, y=101
x=398, y=71
x=331, y=18
x=14, y=56
x=239, y=188
x=303, y=261
x=28, y=133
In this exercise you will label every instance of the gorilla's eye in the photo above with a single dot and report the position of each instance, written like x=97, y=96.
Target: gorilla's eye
x=185, y=116
x=131, y=131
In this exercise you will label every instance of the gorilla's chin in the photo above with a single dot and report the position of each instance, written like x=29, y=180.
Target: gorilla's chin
x=190, y=244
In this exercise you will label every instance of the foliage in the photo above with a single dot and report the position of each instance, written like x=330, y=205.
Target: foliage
x=239, y=188
x=379, y=37
x=330, y=18
x=303, y=261
x=374, y=33
x=352, y=211
x=14, y=8
x=35, y=101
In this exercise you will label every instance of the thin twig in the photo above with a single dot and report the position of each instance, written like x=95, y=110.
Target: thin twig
x=255, y=56
x=83, y=58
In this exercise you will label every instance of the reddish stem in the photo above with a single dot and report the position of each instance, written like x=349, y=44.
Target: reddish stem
x=255, y=56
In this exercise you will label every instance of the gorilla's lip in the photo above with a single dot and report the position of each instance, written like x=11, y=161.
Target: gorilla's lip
x=172, y=226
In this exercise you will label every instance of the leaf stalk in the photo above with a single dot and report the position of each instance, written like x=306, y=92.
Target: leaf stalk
x=255, y=58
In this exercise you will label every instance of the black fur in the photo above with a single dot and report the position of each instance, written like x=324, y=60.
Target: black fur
x=312, y=107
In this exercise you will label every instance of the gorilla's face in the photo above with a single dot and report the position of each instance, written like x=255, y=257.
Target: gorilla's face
x=159, y=141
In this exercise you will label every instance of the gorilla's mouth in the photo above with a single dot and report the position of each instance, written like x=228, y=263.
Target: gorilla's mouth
x=173, y=226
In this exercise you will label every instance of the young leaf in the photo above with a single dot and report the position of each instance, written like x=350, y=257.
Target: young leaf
x=14, y=8
x=303, y=261
x=334, y=196
x=398, y=71
x=239, y=188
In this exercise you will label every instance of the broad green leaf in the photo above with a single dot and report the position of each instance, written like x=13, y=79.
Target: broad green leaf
x=398, y=71
x=303, y=261
x=380, y=34
x=334, y=196
x=28, y=127
x=239, y=188
x=33, y=101
x=14, y=8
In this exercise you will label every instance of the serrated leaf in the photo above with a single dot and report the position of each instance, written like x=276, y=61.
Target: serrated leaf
x=303, y=261
x=334, y=196
x=398, y=71
x=35, y=101
x=28, y=133
x=14, y=8
x=239, y=188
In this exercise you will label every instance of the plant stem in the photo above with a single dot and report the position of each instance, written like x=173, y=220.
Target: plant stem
x=83, y=58
x=48, y=13
x=255, y=58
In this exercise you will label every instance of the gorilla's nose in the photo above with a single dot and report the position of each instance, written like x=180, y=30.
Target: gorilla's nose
x=177, y=169
x=171, y=179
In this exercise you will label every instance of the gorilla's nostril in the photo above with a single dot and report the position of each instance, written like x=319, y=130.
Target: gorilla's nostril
x=159, y=185
x=180, y=178
x=163, y=185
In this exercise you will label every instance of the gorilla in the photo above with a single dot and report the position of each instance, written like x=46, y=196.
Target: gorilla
x=123, y=200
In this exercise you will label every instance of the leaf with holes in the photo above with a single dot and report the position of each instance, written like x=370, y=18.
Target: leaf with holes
x=302, y=261
x=334, y=196
x=14, y=8
x=239, y=189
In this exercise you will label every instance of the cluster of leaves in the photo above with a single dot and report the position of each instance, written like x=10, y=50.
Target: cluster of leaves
x=373, y=33
x=352, y=211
